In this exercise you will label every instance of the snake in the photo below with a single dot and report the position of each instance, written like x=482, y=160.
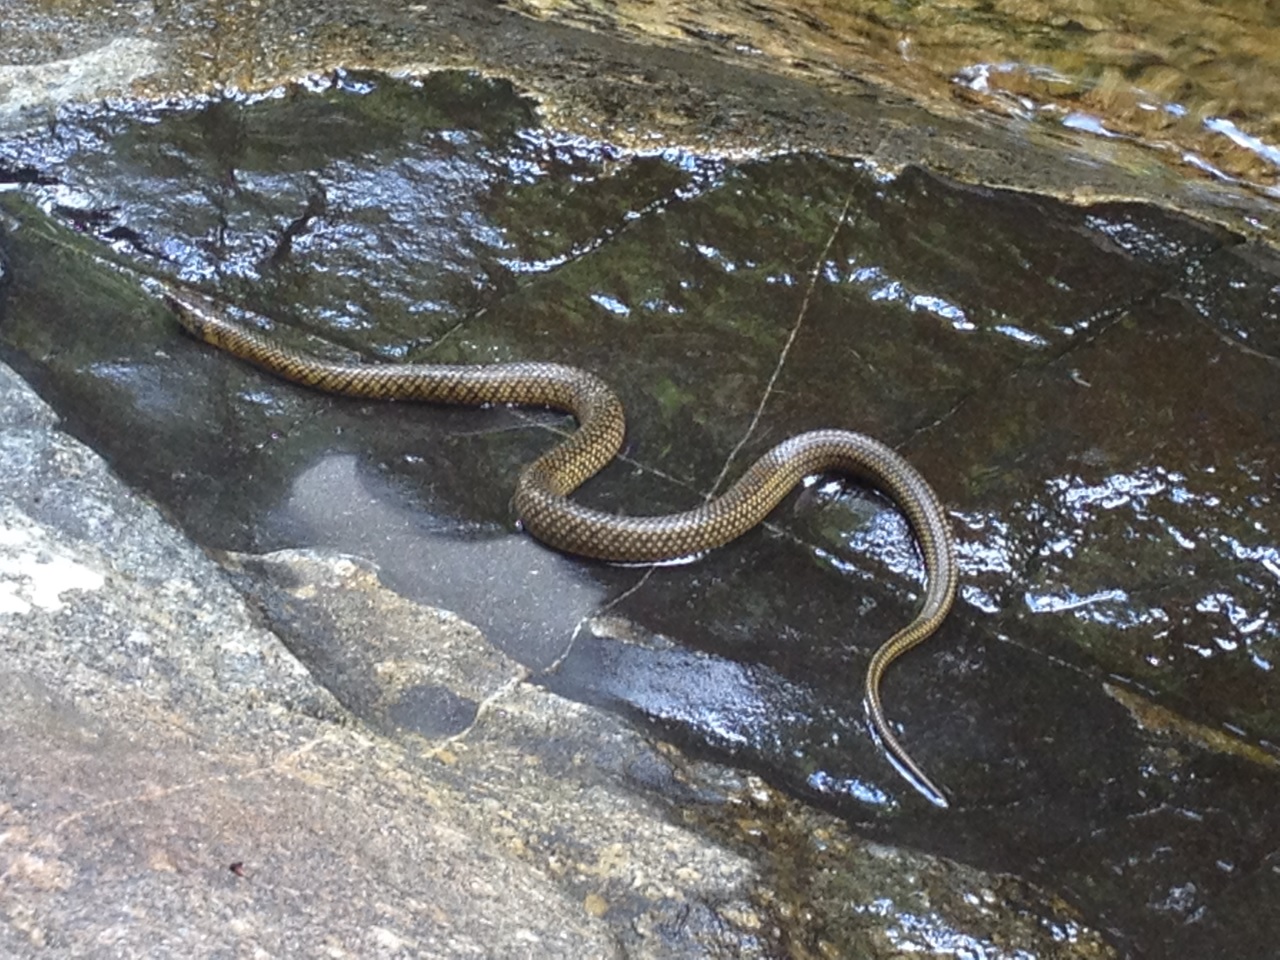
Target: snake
x=542, y=501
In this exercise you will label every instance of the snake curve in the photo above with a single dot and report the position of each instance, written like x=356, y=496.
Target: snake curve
x=542, y=501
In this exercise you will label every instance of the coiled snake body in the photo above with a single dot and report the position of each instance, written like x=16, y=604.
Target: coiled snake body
x=542, y=492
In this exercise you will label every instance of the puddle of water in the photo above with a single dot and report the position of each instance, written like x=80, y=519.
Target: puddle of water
x=1092, y=392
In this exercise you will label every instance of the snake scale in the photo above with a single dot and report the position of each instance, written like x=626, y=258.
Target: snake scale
x=542, y=492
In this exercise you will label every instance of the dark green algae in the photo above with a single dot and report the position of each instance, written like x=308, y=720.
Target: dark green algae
x=1092, y=391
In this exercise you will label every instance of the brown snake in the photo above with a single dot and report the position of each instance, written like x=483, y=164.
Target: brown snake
x=542, y=493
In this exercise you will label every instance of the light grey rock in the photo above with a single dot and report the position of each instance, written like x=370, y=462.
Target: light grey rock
x=28, y=91
x=176, y=783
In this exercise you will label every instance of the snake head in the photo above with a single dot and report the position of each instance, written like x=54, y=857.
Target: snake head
x=190, y=311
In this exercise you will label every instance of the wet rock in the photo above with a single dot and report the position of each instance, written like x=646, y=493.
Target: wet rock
x=1091, y=389
x=180, y=779
x=180, y=782
x=177, y=777
x=726, y=78
x=370, y=647
x=1024, y=366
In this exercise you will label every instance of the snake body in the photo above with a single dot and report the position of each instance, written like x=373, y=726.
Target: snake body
x=542, y=492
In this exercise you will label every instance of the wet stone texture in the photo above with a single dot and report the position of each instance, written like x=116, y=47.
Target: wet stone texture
x=1091, y=390
x=174, y=781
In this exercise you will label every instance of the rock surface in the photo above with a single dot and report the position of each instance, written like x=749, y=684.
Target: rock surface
x=680, y=78
x=333, y=763
x=177, y=782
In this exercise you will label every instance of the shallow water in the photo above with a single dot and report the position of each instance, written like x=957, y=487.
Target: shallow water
x=1092, y=392
x=1197, y=84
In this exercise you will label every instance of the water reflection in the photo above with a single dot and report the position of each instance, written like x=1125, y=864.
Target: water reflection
x=745, y=709
x=529, y=600
x=1160, y=512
